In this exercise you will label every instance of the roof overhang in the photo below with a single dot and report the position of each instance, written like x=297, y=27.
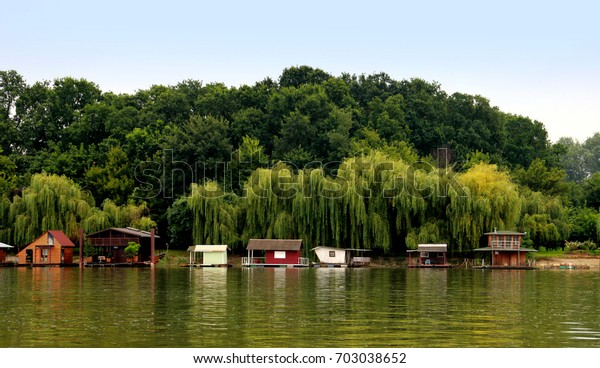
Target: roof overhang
x=344, y=249
x=126, y=230
x=503, y=232
x=274, y=244
x=2, y=245
x=207, y=248
x=432, y=248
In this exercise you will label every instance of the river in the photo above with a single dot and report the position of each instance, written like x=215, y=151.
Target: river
x=277, y=307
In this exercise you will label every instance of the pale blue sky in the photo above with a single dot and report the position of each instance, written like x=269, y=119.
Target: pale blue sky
x=539, y=58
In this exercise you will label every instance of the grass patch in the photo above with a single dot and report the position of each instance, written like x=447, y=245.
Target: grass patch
x=173, y=257
x=549, y=253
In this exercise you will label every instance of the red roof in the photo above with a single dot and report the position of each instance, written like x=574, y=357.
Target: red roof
x=61, y=238
x=274, y=244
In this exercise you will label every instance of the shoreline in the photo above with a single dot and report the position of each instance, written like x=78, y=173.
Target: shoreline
x=582, y=262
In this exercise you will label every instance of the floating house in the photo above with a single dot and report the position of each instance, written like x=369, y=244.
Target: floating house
x=275, y=253
x=208, y=255
x=342, y=257
x=428, y=255
x=111, y=244
x=504, y=250
x=53, y=248
x=3, y=249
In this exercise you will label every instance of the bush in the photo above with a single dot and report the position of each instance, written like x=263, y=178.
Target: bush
x=587, y=246
x=132, y=249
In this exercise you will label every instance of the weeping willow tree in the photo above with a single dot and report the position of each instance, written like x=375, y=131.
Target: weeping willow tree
x=214, y=214
x=544, y=219
x=5, y=223
x=375, y=195
x=317, y=210
x=111, y=215
x=50, y=202
x=269, y=201
x=368, y=204
x=430, y=232
x=488, y=200
x=395, y=204
x=373, y=202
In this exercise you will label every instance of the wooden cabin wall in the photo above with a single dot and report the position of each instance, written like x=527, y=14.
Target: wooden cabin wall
x=291, y=257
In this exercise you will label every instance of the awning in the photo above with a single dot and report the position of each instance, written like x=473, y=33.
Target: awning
x=2, y=245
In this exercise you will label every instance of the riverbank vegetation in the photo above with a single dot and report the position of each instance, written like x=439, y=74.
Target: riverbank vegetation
x=350, y=161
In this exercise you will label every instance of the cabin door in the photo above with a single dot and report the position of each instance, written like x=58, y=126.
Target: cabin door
x=119, y=256
x=28, y=255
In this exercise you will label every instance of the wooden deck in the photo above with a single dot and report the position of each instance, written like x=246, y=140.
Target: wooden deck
x=259, y=262
x=330, y=265
x=198, y=265
x=488, y=267
x=125, y=264
x=445, y=265
x=36, y=265
x=269, y=265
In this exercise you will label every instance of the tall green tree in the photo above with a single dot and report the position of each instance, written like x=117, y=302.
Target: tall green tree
x=181, y=224
x=575, y=159
x=299, y=75
x=592, y=145
x=12, y=86
x=8, y=178
x=539, y=178
x=583, y=224
x=591, y=189
x=527, y=141
x=113, y=179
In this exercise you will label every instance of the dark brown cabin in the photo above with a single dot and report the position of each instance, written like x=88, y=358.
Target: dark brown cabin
x=111, y=244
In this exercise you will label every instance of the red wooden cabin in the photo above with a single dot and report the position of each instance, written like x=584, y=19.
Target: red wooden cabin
x=3, y=249
x=276, y=252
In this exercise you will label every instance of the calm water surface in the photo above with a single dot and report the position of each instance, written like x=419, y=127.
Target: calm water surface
x=180, y=307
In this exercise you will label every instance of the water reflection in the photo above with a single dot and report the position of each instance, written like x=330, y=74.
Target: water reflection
x=281, y=307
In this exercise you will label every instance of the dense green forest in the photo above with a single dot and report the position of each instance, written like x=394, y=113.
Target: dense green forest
x=360, y=161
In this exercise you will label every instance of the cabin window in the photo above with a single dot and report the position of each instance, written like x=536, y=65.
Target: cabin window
x=425, y=254
x=279, y=254
x=50, y=239
x=332, y=253
x=44, y=255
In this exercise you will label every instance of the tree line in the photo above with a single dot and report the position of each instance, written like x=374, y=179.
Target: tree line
x=349, y=160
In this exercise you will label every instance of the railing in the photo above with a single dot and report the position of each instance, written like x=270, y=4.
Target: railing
x=246, y=261
x=506, y=244
x=112, y=242
x=304, y=261
x=361, y=260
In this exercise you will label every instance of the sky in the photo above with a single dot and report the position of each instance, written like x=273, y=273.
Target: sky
x=539, y=59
